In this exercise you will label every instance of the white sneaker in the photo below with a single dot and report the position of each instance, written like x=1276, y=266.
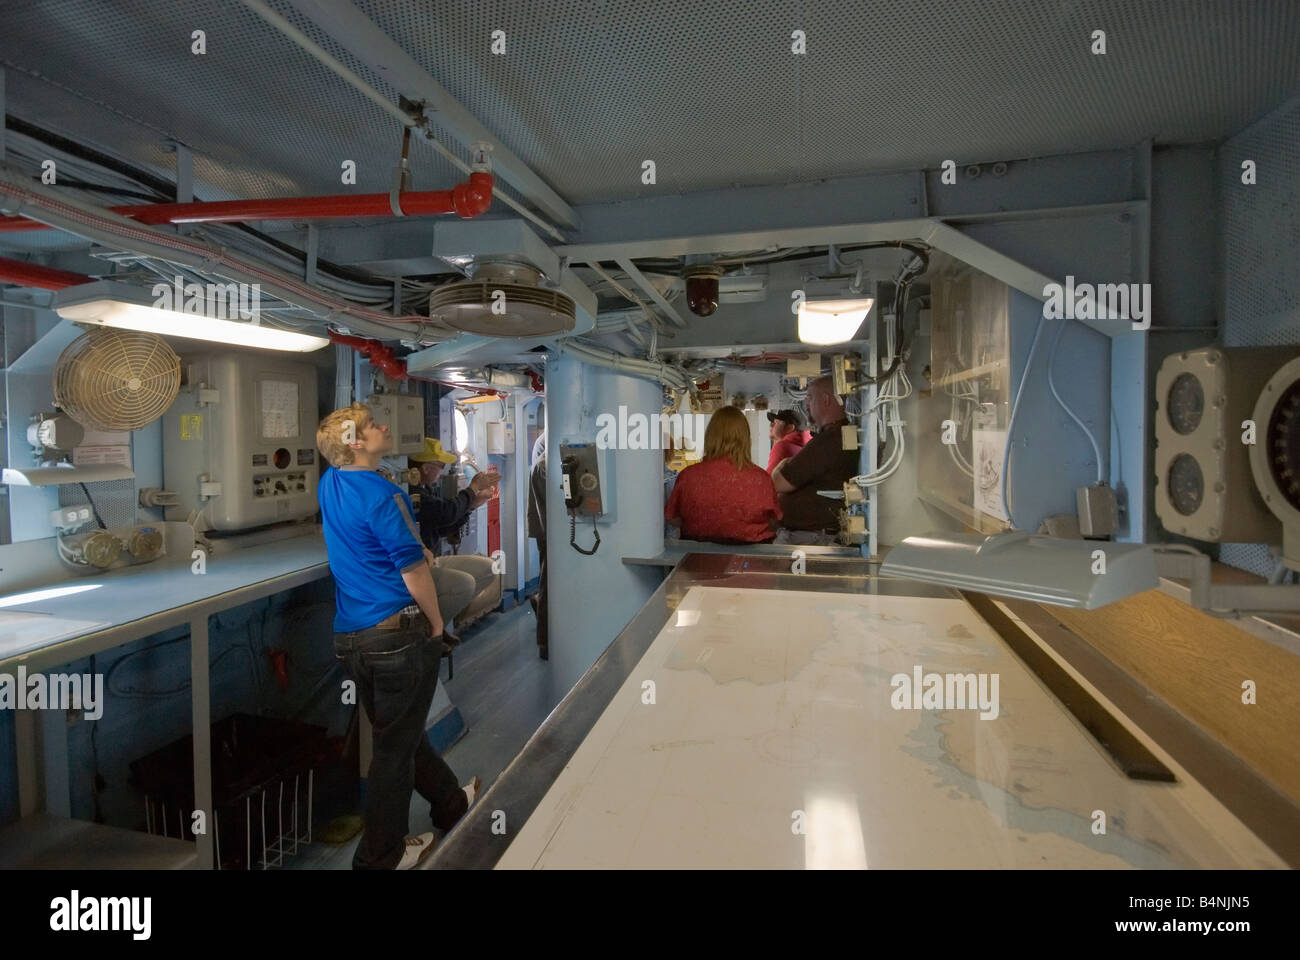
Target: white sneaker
x=417, y=848
x=473, y=790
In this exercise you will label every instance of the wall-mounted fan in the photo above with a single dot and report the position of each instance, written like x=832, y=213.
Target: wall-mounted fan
x=1275, y=457
x=111, y=379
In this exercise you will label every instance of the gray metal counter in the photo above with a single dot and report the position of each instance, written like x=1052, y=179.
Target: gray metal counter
x=520, y=788
x=137, y=602
x=676, y=550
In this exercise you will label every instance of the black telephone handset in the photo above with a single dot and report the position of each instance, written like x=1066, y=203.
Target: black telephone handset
x=569, y=465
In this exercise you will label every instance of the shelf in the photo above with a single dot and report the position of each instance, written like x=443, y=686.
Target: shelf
x=47, y=842
x=966, y=514
x=985, y=368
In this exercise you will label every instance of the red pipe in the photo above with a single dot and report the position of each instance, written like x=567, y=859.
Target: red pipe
x=394, y=367
x=378, y=354
x=466, y=200
x=33, y=275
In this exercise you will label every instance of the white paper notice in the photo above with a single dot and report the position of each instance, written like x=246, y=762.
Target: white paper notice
x=106, y=438
x=279, y=409
x=85, y=456
x=989, y=447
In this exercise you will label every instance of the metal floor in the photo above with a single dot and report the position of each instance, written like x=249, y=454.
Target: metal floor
x=503, y=691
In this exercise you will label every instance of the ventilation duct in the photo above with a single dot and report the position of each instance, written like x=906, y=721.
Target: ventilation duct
x=503, y=298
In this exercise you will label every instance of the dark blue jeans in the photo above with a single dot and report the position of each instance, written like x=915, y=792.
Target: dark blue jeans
x=396, y=671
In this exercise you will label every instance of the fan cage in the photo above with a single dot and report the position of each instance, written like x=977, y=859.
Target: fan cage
x=117, y=379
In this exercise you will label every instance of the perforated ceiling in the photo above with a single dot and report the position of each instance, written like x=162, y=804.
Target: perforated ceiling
x=710, y=90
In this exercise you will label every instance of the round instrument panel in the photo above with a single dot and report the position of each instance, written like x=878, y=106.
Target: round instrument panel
x=1186, y=403
x=1186, y=484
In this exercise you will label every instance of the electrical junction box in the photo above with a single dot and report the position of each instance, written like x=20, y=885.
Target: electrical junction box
x=403, y=415
x=581, y=478
x=809, y=366
x=500, y=437
x=1098, y=510
x=239, y=443
x=1204, y=487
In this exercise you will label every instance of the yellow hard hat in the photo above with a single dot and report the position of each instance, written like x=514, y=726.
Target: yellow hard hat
x=433, y=453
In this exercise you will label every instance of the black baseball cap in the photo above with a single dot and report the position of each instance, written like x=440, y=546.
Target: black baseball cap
x=789, y=416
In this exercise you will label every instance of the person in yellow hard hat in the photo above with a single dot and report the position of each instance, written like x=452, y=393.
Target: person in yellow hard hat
x=459, y=579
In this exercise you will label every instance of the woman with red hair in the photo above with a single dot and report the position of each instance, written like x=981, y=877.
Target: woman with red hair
x=725, y=498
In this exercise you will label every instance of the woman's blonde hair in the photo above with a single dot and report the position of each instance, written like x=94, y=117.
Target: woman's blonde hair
x=338, y=429
x=728, y=436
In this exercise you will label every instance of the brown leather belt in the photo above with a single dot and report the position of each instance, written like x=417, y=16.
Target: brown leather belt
x=400, y=619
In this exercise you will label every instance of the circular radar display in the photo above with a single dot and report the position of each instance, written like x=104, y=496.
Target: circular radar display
x=1186, y=484
x=1186, y=403
x=1283, y=444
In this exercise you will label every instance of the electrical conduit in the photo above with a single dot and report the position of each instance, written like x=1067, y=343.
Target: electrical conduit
x=103, y=226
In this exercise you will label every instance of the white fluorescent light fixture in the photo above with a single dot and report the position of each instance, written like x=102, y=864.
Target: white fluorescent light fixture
x=106, y=303
x=831, y=321
x=1027, y=566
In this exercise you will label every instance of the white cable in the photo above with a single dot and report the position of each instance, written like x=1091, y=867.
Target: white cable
x=1051, y=383
x=114, y=230
x=1011, y=423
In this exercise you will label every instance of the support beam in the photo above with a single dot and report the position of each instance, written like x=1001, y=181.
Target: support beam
x=201, y=724
x=628, y=267
x=754, y=217
x=358, y=34
x=313, y=251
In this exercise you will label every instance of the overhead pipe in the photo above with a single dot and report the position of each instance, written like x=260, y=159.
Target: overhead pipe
x=44, y=278
x=20, y=196
x=382, y=357
x=419, y=123
x=379, y=355
x=466, y=200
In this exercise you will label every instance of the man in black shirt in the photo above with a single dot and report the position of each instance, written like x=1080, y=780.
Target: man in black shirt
x=458, y=579
x=823, y=464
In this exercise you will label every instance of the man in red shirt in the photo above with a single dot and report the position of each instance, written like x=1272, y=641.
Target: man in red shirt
x=788, y=436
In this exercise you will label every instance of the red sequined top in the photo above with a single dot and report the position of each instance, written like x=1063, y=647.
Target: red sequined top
x=715, y=501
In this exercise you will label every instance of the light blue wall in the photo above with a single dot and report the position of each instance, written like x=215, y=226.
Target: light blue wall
x=1052, y=457
x=592, y=598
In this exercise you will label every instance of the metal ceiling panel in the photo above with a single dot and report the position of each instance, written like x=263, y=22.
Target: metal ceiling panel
x=710, y=90
x=589, y=89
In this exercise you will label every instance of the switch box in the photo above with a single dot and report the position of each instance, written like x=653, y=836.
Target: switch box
x=403, y=415
x=1098, y=511
x=500, y=437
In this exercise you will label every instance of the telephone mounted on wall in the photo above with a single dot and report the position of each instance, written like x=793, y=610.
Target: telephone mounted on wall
x=580, y=478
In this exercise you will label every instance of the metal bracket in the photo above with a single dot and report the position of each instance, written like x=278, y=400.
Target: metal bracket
x=401, y=176
x=313, y=248
x=1224, y=599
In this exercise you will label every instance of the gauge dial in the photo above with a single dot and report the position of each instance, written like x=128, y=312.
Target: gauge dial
x=1186, y=484
x=1186, y=403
